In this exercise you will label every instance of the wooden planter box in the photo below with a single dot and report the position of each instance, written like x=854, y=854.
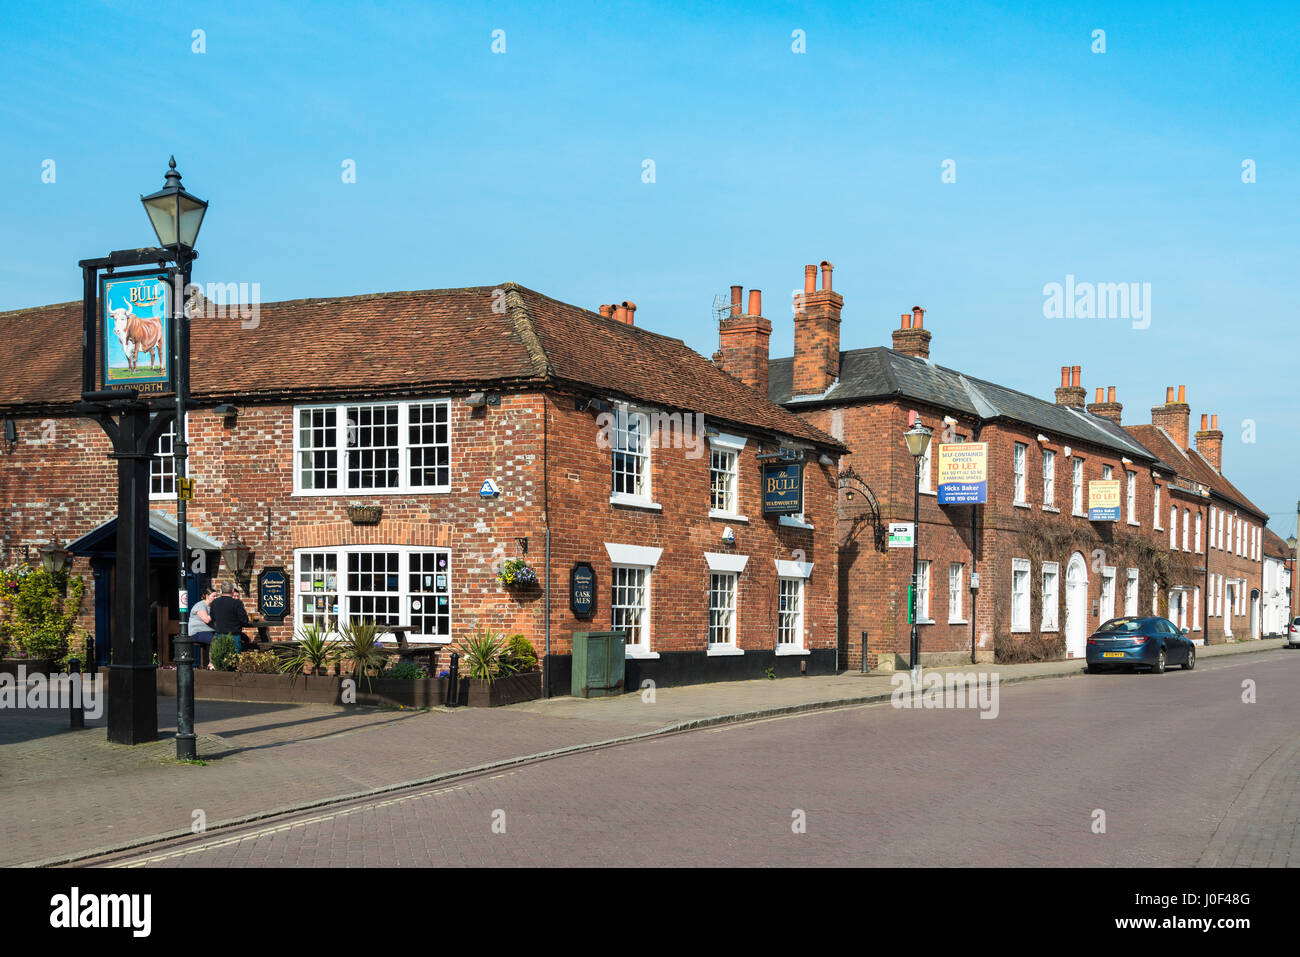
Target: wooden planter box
x=509, y=690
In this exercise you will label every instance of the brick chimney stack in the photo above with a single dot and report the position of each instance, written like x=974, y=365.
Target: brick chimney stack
x=1174, y=416
x=1209, y=442
x=1070, y=391
x=744, y=341
x=817, y=334
x=1107, y=408
x=911, y=338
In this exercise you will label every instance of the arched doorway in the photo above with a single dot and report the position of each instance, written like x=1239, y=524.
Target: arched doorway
x=1076, y=606
x=1254, y=613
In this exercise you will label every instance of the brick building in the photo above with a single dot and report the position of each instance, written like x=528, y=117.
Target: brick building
x=1047, y=575
x=607, y=444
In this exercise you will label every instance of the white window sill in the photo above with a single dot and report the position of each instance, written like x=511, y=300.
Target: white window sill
x=927, y=491
x=1049, y=630
x=1022, y=505
x=727, y=516
x=782, y=651
x=958, y=621
x=633, y=651
x=1052, y=508
x=1079, y=514
x=1158, y=528
x=624, y=500
x=789, y=521
x=724, y=651
x=1020, y=631
x=367, y=492
x=1135, y=524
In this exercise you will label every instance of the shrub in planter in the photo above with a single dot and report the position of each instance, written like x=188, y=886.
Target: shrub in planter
x=483, y=656
x=314, y=648
x=222, y=653
x=519, y=655
x=406, y=671
x=257, y=663
x=39, y=614
x=359, y=646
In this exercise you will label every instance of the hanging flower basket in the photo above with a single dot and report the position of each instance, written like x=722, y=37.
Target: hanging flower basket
x=516, y=573
x=365, y=514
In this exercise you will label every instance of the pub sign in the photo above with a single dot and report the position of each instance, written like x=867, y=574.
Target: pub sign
x=783, y=488
x=135, y=331
x=273, y=593
x=582, y=590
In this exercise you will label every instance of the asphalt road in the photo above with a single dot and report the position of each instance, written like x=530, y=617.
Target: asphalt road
x=1178, y=768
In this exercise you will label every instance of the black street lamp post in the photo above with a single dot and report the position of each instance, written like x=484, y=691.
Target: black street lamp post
x=177, y=216
x=918, y=440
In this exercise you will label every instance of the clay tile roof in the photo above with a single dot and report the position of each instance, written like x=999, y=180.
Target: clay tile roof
x=1274, y=545
x=403, y=342
x=1191, y=467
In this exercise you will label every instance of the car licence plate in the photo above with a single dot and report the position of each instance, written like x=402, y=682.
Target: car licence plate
x=1112, y=654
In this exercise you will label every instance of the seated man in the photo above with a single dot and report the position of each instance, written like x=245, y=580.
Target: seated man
x=228, y=616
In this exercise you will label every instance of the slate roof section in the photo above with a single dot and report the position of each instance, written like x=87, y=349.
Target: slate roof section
x=1192, y=467
x=405, y=343
x=882, y=373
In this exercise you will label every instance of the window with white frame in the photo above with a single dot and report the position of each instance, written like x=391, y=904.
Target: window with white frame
x=789, y=614
x=1018, y=467
x=1131, y=501
x=385, y=584
x=373, y=447
x=162, y=467
x=1019, y=594
x=1227, y=532
x=631, y=458
x=1187, y=522
x=1173, y=526
x=1131, y=593
x=956, y=576
x=1049, y=477
x=1051, y=595
x=722, y=480
x=1196, y=609
x=922, y=591
x=722, y=609
x=1155, y=512
x=1210, y=538
x=1107, y=472
x=630, y=604
x=1198, y=531
x=1077, y=486
x=1107, y=609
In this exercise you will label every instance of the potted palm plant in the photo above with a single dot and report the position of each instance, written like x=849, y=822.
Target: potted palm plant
x=358, y=644
x=316, y=650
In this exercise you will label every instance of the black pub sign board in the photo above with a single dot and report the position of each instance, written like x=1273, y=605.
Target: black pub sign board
x=582, y=590
x=783, y=488
x=273, y=593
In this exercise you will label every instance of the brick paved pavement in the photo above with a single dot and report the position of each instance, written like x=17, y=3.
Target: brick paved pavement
x=64, y=793
x=1163, y=757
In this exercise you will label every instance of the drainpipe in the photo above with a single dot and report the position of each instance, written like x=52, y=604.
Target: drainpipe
x=1205, y=582
x=974, y=550
x=546, y=518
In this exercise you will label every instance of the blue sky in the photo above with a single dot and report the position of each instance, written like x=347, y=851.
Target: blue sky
x=476, y=168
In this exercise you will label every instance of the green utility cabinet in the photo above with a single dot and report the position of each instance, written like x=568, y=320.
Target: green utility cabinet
x=598, y=663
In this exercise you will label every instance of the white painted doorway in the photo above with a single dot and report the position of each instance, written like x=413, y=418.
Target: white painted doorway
x=1076, y=607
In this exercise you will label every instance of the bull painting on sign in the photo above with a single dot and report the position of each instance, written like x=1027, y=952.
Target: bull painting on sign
x=135, y=331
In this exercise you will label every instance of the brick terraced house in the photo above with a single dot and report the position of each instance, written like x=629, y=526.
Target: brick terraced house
x=1228, y=603
x=485, y=424
x=1047, y=575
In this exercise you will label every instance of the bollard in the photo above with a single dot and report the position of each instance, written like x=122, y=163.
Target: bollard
x=76, y=706
x=864, y=652
x=453, y=681
x=92, y=665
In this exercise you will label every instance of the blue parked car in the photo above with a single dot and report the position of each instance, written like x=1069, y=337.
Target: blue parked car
x=1140, y=643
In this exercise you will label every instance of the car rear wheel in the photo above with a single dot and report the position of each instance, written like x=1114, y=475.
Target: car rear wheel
x=1190, y=663
x=1159, y=667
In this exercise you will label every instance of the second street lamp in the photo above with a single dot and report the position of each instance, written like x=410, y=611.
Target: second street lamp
x=918, y=440
x=177, y=215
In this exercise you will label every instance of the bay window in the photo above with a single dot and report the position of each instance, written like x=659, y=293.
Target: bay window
x=388, y=585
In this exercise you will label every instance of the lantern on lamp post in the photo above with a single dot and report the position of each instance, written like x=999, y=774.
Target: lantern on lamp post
x=918, y=440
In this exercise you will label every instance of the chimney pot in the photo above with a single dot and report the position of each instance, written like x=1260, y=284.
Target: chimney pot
x=620, y=313
x=918, y=317
x=1065, y=377
x=631, y=312
x=1182, y=393
x=809, y=279
x=1099, y=393
x=1169, y=395
x=1110, y=394
x=907, y=321
x=826, y=275
x=607, y=311
x=755, y=302
x=1214, y=421
x=1076, y=373
x=735, y=300
x=1204, y=420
